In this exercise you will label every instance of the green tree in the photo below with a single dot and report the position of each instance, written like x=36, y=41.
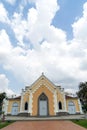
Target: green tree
x=82, y=94
x=2, y=96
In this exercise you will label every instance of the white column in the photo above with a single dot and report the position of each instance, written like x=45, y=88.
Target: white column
x=5, y=106
x=55, y=102
x=21, y=102
x=30, y=103
x=64, y=102
x=80, y=106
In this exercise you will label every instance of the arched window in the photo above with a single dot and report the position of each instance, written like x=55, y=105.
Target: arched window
x=70, y=103
x=71, y=107
x=26, y=106
x=15, y=104
x=14, y=108
x=60, y=105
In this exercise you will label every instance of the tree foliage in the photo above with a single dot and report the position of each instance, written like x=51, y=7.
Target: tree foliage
x=82, y=94
x=2, y=96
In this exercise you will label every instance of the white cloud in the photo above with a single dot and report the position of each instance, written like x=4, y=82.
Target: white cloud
x=12, y=2
x=4, y=85
x=80, y=28
x=5, y=46
x=3, y=14
x=43, y=14
x=37, y=23
x=32, y=16
x=85, y=10
x=50, y=51
x=19, y=27
x=71, y=91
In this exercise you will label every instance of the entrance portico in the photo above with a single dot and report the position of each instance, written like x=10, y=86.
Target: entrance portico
x=43, y=105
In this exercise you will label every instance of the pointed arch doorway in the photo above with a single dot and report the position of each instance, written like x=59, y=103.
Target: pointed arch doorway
x=14, y=109
x=71, y=108
x=43, y=105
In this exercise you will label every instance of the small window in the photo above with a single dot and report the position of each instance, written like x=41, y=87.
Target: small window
x=26, y=106
x=60, y=105
x=70, y=103
x=15, y=104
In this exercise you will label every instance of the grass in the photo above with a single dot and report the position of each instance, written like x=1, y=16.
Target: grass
x=5, y=123
x=82, y=122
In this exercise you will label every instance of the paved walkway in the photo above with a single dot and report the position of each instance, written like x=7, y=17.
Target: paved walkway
x=18, y=118
x=43, y=125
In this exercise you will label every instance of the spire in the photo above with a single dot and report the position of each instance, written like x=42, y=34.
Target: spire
x=42, y=73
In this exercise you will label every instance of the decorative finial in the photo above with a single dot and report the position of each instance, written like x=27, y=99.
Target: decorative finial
x=42, y=73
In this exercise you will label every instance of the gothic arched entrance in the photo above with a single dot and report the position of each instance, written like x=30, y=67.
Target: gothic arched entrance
x=14, y=109
x=43, y=105
x=71, y=108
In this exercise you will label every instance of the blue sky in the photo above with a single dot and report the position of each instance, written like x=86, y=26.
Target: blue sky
x=69, y=11
x=42, y=36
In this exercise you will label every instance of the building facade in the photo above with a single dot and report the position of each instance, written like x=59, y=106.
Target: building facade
x=42, y=98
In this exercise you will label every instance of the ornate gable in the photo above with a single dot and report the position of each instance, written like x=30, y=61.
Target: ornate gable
x=42, y=80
